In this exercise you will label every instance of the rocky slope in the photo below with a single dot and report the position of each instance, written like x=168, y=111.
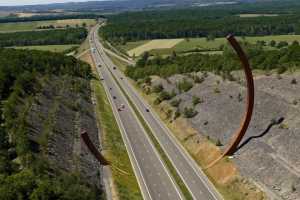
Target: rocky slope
x=269, y=154
x=56, y=118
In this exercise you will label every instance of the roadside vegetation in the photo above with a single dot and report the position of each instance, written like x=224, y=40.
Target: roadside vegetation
x=125, y=182
x=115, y=151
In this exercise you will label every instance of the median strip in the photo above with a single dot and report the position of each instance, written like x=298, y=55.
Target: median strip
x=113, y=146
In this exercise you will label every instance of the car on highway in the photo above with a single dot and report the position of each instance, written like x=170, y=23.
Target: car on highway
x=114, y=97
x=147, y=110
x=114, y=68
x=121, y=108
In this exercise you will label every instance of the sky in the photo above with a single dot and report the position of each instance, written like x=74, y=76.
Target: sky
x=32, y=2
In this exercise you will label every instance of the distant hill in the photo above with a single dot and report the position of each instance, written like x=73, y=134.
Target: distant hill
x=125, y=5
x=115, y=5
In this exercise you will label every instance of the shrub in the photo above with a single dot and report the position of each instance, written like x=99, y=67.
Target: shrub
x=197, y=79
x=196, y=100
x=169, y=114
x=147, y=80
x=219, y=143
x=157, y=88
x=184, y=85
x=175, y=102
x=294, y=81
x=272, y=43
x=189, y=112
x=281, y=70
x=157, y=101
x=177, y=114
x=217, y=90
x=282, y=44
x=164, y=95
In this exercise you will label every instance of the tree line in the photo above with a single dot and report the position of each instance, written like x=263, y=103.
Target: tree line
x=198, y=22
x=280, y=59
x=32, y=177
x=47, y=37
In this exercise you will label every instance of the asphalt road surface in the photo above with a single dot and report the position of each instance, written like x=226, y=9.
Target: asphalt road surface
x=194, y=178
x=153, y=177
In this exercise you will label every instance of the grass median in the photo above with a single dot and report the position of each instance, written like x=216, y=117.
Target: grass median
x=114, y=147
x=125, y=185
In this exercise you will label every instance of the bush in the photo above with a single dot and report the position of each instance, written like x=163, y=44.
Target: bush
x=196, y=100
x=189, y=112
x=217, y=90
x=282, y=44
x=281, y=70
x=157, y=88
x=294, y=81
x=219, y=143
x=177, y=114
x=272, y=43
x=175, y=102
x=197, y=79
x=147, y=80
x=164, y=95
x=157, y=101
x=184, y=85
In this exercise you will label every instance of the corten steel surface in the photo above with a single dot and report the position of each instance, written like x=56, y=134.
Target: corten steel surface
x=85, y=137
x=238, y=136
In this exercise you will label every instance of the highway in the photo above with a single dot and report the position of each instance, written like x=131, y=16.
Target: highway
x=194, y=178
x=153, y=177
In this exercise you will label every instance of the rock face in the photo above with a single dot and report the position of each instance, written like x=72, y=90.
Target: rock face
x=270, y=154
x=59, y=113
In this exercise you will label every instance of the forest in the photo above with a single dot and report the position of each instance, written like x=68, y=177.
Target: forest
x=278, y=59
x=216, y=21
x=25, y=174
x=47, y=37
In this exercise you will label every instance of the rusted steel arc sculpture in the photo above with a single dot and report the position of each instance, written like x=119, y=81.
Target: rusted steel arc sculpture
x=85, y=137
x=238, y=136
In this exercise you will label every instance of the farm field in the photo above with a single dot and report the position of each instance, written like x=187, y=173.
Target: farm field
x=132, y=45
x=182, y=45
x=29, y=26
x=154, y=44
x=257, y=15
x=52, y=48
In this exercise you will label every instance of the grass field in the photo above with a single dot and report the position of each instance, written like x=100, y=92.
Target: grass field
x=257, y=15
x=29, y=26
x=154, y=44
x=52, y=48
x=196, y=43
